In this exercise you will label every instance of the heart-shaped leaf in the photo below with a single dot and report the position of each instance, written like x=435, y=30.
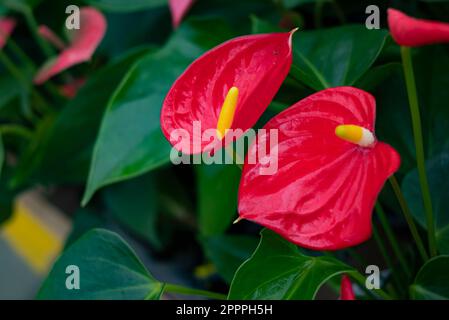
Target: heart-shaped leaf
x=108, y=269
x=277, y=270
x=130, y=141
x=335, y=57
x=432, y=281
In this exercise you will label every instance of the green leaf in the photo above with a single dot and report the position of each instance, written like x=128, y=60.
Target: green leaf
x=432, y=281
x=377, y=75
x=128, y=5
x=228, y=252
x=130, y=141
x=261, y=26
x=335, y=57
x=393, y=112
x=437, y=170
x=431, y=66
x=134, y=204
x=278, y=271
x=73, y=132
x=108, y=268
x=217, y=196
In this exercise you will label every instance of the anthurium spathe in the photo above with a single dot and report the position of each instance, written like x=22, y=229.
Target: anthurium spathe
x=228, y=87
x=83, y=43
x=178, y=9
x=412, y=32
x=346, y=291
x=331, y=168
x=7, y=25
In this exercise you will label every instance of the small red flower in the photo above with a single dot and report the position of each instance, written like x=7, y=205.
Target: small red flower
x=70, y=89
x=178, y=9
x=228, y=87
x=83, y=43
x=7, y=25
x=331, y=169
x=346, y=292
x=412, y=32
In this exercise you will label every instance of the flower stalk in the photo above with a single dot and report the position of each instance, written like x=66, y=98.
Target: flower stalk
x=419, y=146
x=408, y=217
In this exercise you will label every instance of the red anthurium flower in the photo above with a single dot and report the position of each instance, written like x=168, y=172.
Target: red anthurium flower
x=178, y=9
x=228, y=87
x=330, y=170
x=346, y=292
x=82, y=45
x=412, y=32
x=7, y=25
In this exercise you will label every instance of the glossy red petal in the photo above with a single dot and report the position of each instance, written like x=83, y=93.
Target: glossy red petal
x=346, y=292
x=7, y=25
x=256, y=64
x=324, y=190
x=412, y=32
x=82, y=46
x=178, y=9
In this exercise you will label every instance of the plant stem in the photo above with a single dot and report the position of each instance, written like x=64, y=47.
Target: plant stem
x=33, y=26
x=419, y=146
x=408, y=217
x=392, y=238
x=173, y=288
x=386, y=256
x=229, y=149
x=16, y=130
x=356, y=256
x=357, y=276
x=20, y=54
x=15, y=72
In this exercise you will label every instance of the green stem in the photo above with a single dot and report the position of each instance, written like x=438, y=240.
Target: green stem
x=16, y=130
x=357, y=276
x=408, y=217
x=33, y=26
x=386, y=256
x=173, y=288
x=229, y=149
x=20, y=54
x=15, y=72
x=356, y=256
x=15, y=48
x=392, y=238
x=419, y=146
